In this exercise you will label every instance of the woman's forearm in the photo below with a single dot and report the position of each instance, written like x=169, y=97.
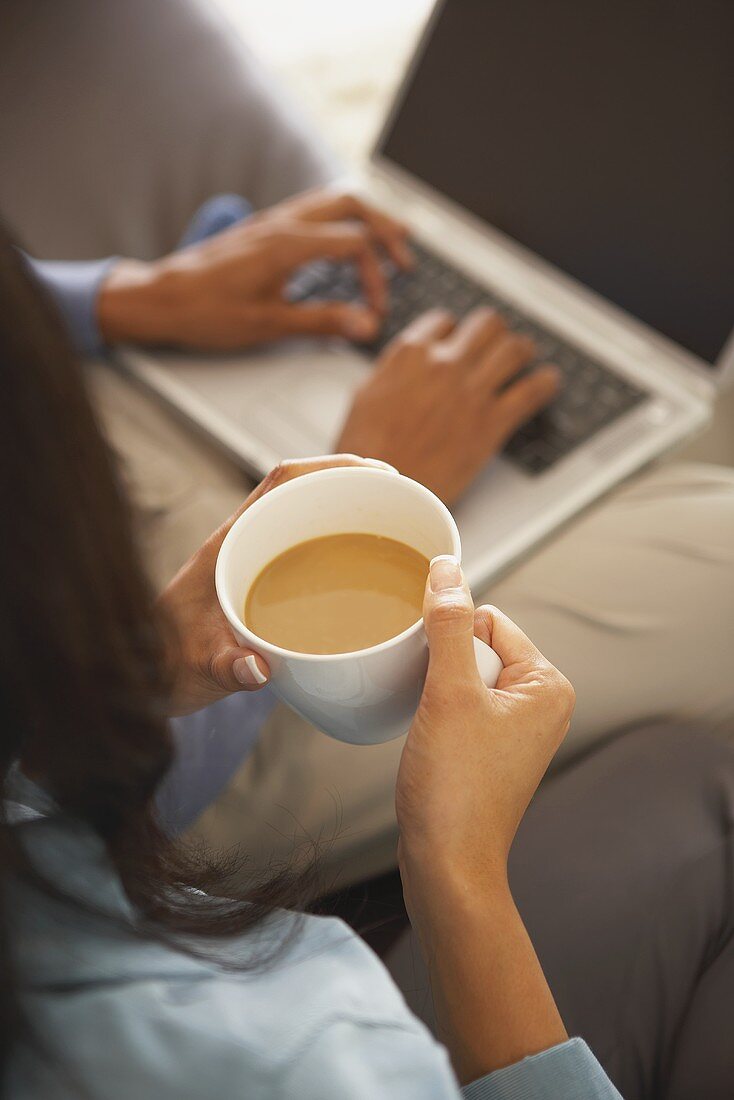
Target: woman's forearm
x=492, y=1002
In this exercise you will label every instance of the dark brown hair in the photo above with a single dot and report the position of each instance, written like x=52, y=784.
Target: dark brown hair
x=82, y=683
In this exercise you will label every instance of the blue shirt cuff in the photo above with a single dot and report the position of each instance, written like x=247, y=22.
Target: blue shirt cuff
x=218, y=213
x=74, y=286
x=565, y=1072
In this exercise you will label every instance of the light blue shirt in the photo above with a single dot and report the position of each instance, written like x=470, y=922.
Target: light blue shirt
x=124, y=1018
x=212, y=744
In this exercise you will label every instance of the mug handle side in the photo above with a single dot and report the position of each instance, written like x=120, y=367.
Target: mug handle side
x=488, y=663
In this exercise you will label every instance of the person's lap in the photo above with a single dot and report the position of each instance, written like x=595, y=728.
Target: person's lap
x=635, y=602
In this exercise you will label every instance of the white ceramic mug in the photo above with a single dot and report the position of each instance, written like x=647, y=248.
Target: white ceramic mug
x=370, y=695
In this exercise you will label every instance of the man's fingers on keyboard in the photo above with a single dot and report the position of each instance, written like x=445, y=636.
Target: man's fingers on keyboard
x=374, y=283
x=296, y=243
x=391, y=234
x=324, y=319
x=474, y=335
x=433, y=325
x=501, y=362
x=525, y=398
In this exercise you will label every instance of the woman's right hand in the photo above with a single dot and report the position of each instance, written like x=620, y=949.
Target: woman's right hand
x=474, y=756
x=471, y=763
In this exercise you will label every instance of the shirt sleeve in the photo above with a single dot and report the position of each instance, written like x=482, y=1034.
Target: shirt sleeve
x=565, y=1072
x=74, y=286
x=363, y=1061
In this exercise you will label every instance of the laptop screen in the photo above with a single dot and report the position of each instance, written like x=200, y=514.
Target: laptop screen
x=599, y=135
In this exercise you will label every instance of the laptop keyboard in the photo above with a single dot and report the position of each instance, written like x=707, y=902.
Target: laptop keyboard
x=591, y=397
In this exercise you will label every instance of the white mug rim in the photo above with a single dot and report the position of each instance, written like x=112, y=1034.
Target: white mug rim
x=260, y=644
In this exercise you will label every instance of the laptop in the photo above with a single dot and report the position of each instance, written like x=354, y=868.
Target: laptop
x=572, y=166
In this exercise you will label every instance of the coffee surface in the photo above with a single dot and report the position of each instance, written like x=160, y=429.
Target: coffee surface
x=338, y=593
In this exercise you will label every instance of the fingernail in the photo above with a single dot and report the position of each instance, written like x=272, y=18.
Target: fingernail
x=445, y=573
x=360, y=326
x=248, y=672
x=381, y=465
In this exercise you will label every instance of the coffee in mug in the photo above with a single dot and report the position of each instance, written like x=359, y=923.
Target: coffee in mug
x=363, y=696
x=338, y=593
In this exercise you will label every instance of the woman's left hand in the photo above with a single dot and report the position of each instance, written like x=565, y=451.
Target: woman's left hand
x=206, y=660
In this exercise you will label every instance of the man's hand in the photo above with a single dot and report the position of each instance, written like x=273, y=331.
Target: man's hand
x=227, y=291
x=442, y=400
x=206, y=660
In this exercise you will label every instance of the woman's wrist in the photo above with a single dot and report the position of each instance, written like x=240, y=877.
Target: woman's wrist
x=441, y=890
x=492, y=1003
x=440, y=899
x=432, y=866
